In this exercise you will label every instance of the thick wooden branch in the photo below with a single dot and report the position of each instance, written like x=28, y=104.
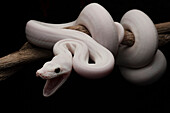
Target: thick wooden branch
x=129, y=39
x=28, y=53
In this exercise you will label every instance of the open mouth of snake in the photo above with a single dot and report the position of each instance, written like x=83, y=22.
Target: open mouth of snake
x=53, y=84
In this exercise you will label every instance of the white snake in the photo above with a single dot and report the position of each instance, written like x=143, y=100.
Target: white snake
x=134, y=61
x=77, y=43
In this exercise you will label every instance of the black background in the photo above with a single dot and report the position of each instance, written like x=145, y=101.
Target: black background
x=23, y=91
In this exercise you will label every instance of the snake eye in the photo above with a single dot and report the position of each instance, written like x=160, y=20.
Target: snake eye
x=57, y=70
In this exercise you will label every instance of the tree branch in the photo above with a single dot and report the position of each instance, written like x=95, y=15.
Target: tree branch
x=28, y=53
x=129, y=39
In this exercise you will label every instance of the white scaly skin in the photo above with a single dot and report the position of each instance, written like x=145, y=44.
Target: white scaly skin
x=148, y=74
x=46, y=35
x=56, y=26
x=101, y=26
x=142, y=63
x=121, y=32
x=63, y=61
x=94, y=17
x=146, y=40
x=134, y=61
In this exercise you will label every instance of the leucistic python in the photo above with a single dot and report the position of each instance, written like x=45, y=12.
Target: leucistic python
x=77, y=43
x=73, y=48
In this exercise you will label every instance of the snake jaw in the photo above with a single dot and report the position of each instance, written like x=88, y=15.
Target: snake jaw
x=53, y=84
x=55, y=73
x=53, y=80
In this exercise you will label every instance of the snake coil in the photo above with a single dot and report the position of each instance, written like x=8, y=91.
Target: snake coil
x=142, y=63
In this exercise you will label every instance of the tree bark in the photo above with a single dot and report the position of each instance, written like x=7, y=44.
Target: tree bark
x=129, y=39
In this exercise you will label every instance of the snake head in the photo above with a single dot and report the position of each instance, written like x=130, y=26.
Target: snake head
x=49, y=71
x=55, y=75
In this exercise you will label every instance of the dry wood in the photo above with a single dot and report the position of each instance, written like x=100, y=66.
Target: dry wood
x=28, y=53
x=15, y=61
x=129, y=39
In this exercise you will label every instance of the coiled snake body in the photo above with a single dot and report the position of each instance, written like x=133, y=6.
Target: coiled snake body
x=141, y=63
x=77, y=43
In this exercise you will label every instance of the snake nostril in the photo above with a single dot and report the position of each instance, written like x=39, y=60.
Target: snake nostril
x=38, y=74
